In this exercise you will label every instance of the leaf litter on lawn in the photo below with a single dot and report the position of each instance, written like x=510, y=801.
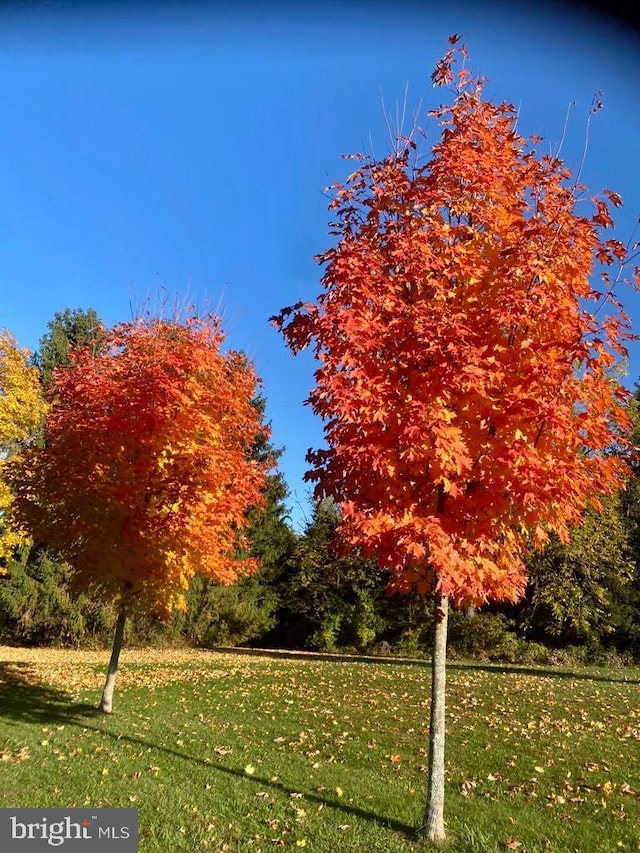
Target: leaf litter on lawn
x=346, y=735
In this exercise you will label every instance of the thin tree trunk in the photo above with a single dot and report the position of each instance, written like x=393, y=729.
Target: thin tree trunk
x=107, y=694
x=433, y=823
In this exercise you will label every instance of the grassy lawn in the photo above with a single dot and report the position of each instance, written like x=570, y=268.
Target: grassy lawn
x=233, y=752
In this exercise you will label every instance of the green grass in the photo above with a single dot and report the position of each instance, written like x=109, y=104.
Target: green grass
x=230, y=752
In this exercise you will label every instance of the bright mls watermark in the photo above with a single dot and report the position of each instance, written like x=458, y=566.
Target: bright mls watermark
x=79, y=830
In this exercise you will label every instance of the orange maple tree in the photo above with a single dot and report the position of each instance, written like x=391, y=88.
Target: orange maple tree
x=146, y=472
x=466, y=358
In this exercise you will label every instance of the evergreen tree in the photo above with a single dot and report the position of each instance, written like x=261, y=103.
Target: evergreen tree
x=328, y=600
x=69, y=328
x=270, y=534
x=39, y=607
x=246, y=611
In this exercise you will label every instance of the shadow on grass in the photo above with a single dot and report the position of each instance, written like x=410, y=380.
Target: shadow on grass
x=264, y=783
x=23, y=699
x=546, y=672
x=355, y=811
x=497, y=667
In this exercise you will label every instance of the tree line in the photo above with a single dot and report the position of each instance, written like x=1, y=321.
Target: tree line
x=582, y=600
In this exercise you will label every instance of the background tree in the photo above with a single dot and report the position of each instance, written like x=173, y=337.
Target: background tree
x=627, y=636
x=146, y=471
x=67, y=330
x=574, y=588
x=38, y=604
x=464, y=363
x=22, y=409
x=328, y=601
x=229, y=615
x=269, y=533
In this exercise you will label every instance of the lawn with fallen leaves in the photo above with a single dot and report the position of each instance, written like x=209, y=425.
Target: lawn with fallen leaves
x=244, y=752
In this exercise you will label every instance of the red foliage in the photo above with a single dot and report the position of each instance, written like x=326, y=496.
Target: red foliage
x=465, y=359
x=146, y=473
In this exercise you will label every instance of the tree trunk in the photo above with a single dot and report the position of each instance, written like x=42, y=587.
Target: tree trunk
x=107, y=694
x=433, y=823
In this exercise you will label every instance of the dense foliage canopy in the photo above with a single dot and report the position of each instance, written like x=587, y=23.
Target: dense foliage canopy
x=465, y=354
x=146, y=473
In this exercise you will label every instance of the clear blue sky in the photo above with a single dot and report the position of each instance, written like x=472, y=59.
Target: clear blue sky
x=186, y=147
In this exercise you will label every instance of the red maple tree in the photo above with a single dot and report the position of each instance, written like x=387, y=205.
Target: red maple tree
x=146, y=472
x=465, y=362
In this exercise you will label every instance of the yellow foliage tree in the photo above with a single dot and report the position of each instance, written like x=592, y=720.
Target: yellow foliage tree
x=22, y=409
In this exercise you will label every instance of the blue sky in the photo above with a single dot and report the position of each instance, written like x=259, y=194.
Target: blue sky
x=185, y=148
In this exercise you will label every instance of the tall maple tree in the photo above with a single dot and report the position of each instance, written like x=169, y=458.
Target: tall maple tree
x=147, y=470
x=465, y=362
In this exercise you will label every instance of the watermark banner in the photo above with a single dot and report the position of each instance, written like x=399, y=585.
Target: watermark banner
x=69, y=830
